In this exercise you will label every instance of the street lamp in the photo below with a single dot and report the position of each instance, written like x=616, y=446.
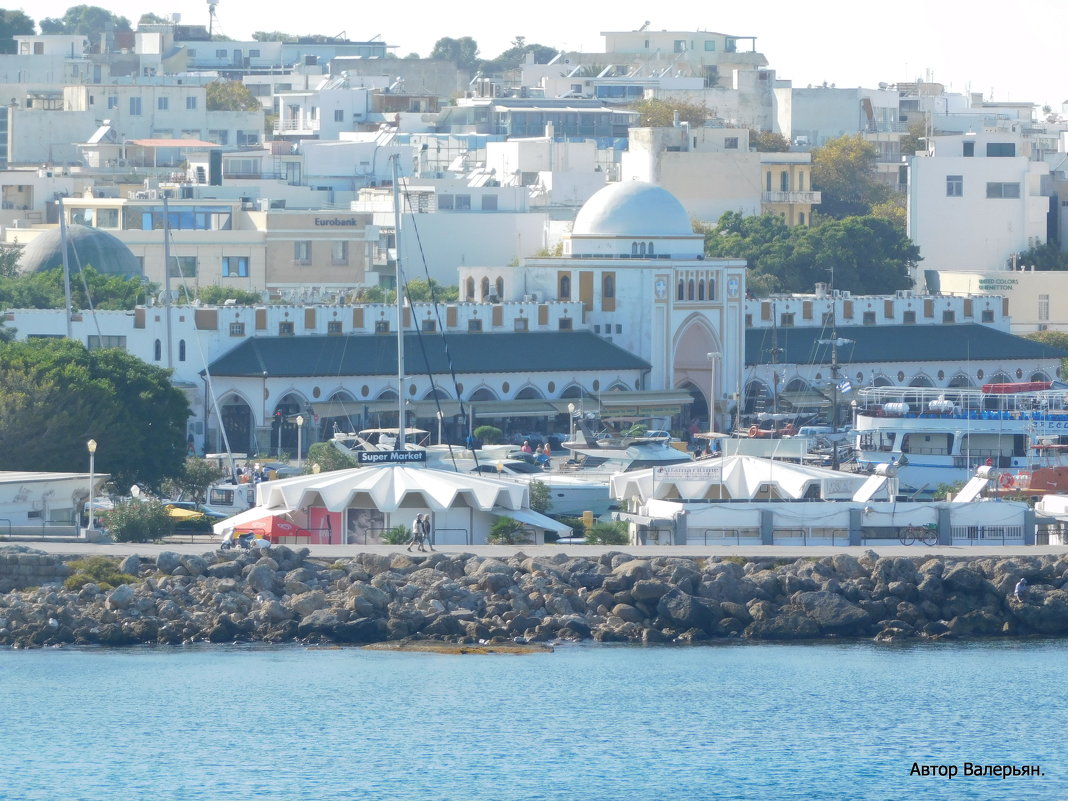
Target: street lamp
x=441, y=416
x=712, y=391
x=300, y=428
x=571, y=428
x=91, y=445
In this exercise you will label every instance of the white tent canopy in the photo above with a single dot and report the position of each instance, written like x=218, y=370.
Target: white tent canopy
x=736, y=478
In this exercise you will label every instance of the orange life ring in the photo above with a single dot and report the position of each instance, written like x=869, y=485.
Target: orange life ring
x=754, y=431
x=1005, y=480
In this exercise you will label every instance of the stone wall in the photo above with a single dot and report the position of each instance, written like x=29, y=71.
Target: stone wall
x=22, y=567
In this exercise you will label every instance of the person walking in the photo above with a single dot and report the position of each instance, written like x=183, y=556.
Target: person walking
x=417, y=534
x=425, y=528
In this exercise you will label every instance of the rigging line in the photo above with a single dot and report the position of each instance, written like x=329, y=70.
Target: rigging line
x=441, y=329
x=88, y=295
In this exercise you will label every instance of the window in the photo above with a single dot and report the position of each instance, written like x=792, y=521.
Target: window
x=909, y=317
x=191, y=103
x=730, y=143
x=710, y=46
x=565, y=287
x=969, y=149
x=183, y=267
x=489, y=202
x=463, y=203
x=157, y=350
x=253, y=53
x=680, y=45
x=381, y=326
x=333, y=328
x=828, y=319
x=521, y=323
x=767, y=181
x=800, y=182
x=787, y=320
x=220, y=53
x=1003, y=190
x=285, y=328
x=339, y=115
x=445, y=202
x=1000, y=149
x=163, y=103
x=113, y=101
x=954, y=186
x=235, y=266
x=784, y=182
x=181, y=350
x=608, y=286
x=428, y=326
x=100, y=342
x=869, y=318
x=565, y=323
x=222, y=137
x=1043, y=307
x=135, y=106
x=948, y=316
x=988, y=316
x=302, y=252
x=339, y=253
x=237, y=329
x=474, y=326
x=701, y=289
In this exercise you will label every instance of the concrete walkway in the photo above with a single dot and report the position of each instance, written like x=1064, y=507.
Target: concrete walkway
x=749, y=551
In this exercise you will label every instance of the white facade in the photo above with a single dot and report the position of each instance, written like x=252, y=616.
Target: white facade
x=975, y=200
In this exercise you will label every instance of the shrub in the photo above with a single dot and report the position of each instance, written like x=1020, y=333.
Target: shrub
x=608, y=533
x=96, y=570
x=540, y=500
x=491, y=435
x=506, y=531
x=398, y=535
x=139, y=521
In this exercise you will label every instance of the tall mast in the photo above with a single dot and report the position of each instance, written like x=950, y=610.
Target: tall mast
x=399, y=444
x=66, y=267
x=167, y=279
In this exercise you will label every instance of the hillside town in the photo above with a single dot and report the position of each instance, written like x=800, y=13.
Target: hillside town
x=307, y=179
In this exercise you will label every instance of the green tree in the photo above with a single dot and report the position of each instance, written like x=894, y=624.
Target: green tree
x=462, y=52
x=58, y=395
x=329, y=457
x=516, y=55
x=12, y=24
x=419, y=290
x=273, y=36
x=218, y=295
x=507, y=531
x=540, y=497
x=612, y=532
x=914, y=140
x=145, y=520
x=85, y=20
x=1044, y=257
x=230, y=96
x=769, y=142
x=656, y=113
x=44, y=290
x=844, y=171
x=196, y=477
x=9, y=262
x=148, y=18
x=490, y=435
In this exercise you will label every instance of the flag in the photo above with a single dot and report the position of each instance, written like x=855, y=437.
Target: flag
x=844, y=386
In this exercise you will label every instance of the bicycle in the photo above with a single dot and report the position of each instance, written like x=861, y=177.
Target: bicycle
x=925, y=535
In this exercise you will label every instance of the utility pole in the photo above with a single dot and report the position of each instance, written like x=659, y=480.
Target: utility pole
x=835, y=342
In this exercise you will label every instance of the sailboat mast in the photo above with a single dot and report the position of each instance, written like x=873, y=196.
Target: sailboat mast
x=66, y=267
x=167, y=280
x=399, y=444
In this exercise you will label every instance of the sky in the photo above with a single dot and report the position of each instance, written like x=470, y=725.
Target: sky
x=1007, y=53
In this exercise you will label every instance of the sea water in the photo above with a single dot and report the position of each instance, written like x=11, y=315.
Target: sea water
x=745, y=721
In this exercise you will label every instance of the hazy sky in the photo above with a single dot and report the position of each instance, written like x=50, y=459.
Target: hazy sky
x=1006, y=52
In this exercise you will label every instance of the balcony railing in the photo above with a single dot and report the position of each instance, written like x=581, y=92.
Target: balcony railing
x=790, y=197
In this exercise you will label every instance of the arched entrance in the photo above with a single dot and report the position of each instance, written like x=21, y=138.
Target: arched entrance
x=284, y=427
x=237, y=423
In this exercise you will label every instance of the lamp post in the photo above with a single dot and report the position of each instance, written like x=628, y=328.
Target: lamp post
x=91, y=445
x=441, y=416
x=571, y=428
x=300, y=429
x=712, y=391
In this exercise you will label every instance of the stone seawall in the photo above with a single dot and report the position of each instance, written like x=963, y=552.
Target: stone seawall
x=22, y=567
x=285, y=596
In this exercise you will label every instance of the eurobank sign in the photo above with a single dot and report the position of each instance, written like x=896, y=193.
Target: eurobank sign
x=332, y=222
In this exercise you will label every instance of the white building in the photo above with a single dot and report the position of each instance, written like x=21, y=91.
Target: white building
x=976, y=199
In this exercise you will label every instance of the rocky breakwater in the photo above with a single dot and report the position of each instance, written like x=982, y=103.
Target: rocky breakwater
x=287, y=596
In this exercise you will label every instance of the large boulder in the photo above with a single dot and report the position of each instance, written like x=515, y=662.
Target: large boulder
x=833, y=613
x=689, y=611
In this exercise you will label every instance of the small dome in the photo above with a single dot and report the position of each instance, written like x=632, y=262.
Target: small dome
x=85, y=246
x=633, y=209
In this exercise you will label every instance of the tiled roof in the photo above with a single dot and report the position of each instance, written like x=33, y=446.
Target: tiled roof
x=369, y=354
x=894, y=344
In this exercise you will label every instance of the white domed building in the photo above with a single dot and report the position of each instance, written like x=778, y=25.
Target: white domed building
x=639, y=270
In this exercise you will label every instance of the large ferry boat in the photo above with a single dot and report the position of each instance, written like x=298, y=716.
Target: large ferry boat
x=941, y=436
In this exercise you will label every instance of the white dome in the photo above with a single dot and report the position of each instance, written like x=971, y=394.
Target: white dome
x=633, y=209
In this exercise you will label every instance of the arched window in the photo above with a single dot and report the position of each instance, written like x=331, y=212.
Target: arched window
x=650, y=249
x=689, y=290
x=181, y=350
x=681, y=295
x=641, y=249
x=633, y=248
x=158, y=350
x=500, y=288
x=801, y=218
x=767, y=181
x=485, y=288
x=470, y=285
x=784, y=181
x=701, y=289
x=608, y=286
x=565, y=287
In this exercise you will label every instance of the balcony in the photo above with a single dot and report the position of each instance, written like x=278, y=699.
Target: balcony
x=811, y=198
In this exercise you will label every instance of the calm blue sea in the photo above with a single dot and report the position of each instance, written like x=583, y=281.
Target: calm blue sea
x=827, y=721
